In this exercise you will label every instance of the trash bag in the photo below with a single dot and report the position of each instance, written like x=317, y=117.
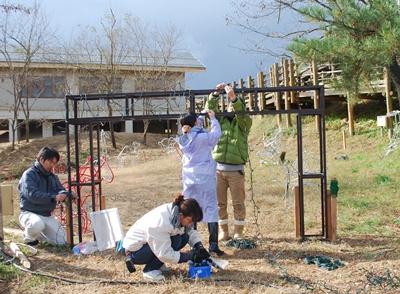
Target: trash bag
x=85, y=248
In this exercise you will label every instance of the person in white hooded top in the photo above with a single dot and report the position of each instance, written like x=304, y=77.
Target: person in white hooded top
x=157, y=237
x=199, y=169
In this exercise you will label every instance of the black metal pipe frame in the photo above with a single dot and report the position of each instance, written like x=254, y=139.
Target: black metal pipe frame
x=190, y=95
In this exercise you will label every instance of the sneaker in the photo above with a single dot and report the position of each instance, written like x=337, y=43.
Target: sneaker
x=165, y=269
x=130, y=265
x=153, y=276
x=32, y=243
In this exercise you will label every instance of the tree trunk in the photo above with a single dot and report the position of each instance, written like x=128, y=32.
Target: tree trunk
x=113, y=141
x=27, y=131
x=146, y=123
x=111, y=125
x=13, y=135
x=394, y=72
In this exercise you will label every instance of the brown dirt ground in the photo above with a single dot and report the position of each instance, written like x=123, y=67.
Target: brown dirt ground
x=276, y=265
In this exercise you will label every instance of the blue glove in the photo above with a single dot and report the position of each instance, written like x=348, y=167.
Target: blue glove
x=185, y=257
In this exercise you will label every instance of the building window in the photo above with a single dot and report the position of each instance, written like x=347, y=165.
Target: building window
x=45, y=87
x=93, y=85
x=155, y=84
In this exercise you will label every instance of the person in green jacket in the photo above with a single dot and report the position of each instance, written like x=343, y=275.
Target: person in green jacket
x=231, y=154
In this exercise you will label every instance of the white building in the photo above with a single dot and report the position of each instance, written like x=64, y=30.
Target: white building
x=51, y=78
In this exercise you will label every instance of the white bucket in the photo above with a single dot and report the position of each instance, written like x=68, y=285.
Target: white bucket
x=107, y=228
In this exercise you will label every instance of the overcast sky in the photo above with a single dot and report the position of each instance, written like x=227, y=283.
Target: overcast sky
x=203, y=25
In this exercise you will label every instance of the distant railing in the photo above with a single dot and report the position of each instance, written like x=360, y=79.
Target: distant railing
x=287, y=74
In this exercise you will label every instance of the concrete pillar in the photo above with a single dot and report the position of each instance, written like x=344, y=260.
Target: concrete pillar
x=47, y=129
x=128, y=126
x=179, y=130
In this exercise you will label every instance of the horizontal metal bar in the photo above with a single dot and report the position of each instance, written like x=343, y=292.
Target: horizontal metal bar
x=313, y=176
x=86, y=120
x=187, y=92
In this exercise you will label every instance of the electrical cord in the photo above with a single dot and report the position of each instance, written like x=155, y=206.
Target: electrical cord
x=5, y=256
x=116, y=282
x=9, y=260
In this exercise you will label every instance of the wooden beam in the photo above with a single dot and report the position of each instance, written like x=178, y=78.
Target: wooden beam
x=18, y=253
x=316, y=97
x=332, y=217
x=286, y=80
x=102, y=202
x=292, y=81
x=389, y=106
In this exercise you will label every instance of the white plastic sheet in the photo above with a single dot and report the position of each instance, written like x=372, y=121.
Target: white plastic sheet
x=107, y=228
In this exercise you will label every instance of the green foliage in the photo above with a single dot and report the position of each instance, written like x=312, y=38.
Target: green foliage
x=355, y=170
x=359, y=36
x=333, y=123
x=358, y=205
x=8, y=272
x=382, y=179
x=292, y=131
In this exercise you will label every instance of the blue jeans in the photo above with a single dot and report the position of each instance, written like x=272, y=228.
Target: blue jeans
x=145, y=256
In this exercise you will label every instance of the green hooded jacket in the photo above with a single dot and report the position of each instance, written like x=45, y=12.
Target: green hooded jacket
x=232, y=147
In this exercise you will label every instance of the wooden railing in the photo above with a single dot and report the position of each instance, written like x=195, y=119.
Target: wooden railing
x=287, y=74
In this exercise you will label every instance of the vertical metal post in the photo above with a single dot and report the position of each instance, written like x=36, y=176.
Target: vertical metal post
x=70, y=228
x=300, y=171
x=99, y=163
x=1, y=223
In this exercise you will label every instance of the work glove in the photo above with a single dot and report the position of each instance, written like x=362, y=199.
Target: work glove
x=201, y=251
x=203, y=254
x=196, y=258
x=199, y=255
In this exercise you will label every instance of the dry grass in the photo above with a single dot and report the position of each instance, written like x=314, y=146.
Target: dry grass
x=368, y=227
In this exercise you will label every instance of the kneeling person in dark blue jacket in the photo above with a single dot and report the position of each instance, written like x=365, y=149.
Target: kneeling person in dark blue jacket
x=40, y=191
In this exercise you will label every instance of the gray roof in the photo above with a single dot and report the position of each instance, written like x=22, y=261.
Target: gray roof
x=178, y=59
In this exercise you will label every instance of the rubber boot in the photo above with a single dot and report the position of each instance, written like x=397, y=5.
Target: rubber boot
x=130, y=265
x=213, y=239
x=194, y=226
x=223, y=232
x=238, y=233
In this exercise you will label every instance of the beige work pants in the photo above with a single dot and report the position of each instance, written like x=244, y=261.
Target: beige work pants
x=234, y=180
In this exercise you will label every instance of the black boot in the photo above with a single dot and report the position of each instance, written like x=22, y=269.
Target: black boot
x=213, y=240
x=130, y=265
x=194, y=226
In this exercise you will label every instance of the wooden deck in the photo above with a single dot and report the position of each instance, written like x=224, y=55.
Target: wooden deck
x=286, y=74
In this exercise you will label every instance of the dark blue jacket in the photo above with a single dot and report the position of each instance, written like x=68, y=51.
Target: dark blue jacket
x=38, y=190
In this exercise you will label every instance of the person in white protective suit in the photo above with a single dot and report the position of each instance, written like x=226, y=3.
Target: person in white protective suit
x=199, y=169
